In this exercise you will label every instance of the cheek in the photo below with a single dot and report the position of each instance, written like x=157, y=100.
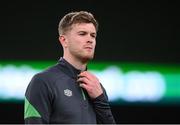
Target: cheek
x=73, y=42
x=74, y=46
x=94, y=44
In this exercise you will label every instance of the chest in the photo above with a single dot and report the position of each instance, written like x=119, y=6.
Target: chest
x=71, y=103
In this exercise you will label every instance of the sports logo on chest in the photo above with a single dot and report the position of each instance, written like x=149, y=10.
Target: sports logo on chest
x=68, y=92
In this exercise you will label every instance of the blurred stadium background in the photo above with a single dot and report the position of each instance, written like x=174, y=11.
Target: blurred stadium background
x=137, y=55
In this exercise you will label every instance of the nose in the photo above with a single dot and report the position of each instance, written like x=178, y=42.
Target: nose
x=90, y=39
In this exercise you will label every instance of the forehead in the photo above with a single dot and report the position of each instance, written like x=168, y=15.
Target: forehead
x=89, y=27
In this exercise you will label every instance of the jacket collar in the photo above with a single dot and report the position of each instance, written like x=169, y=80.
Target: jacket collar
x=69, y=69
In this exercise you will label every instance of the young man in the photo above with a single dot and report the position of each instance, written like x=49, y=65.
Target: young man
x=67, y=92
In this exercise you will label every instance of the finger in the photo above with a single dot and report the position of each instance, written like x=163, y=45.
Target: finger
x=83, y=80
x=87, y=74
x=91, y=77
x=86, y=87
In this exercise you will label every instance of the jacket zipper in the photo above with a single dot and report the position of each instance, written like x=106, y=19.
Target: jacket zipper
x=84, y=97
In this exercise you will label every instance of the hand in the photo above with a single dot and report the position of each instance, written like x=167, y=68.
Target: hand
x=90, y=83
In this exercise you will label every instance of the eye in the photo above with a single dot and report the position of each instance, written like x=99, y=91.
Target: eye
x=93, y=35
x=82, y=33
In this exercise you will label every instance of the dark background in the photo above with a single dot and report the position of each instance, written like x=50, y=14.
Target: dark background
x=130, y=31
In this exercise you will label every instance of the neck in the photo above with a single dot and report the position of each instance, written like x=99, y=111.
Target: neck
x=77, y=63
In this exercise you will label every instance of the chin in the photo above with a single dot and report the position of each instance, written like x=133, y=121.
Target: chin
x=87, y=58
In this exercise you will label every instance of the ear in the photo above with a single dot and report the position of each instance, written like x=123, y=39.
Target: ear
x=63, y=41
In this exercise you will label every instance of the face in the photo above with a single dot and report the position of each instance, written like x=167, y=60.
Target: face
x=80, y=41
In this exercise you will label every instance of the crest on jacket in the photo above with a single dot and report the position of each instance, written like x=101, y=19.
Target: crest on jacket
x=68, y=92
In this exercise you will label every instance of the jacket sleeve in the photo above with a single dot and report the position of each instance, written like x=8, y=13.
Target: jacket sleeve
x=103, y=110
x=37, y=101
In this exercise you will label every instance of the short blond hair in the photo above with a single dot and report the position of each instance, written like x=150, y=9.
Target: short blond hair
x=76, y=17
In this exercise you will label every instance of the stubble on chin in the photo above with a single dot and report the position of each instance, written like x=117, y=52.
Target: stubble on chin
x=87, y=58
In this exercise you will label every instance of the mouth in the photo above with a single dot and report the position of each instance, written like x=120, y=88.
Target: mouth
x=88, y=48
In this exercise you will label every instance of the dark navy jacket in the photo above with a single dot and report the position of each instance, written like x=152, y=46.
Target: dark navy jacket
x=54, y=96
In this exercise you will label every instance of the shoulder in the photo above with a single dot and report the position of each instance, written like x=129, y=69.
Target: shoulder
x=42, y=81
x=49, y=74
x=48, y=77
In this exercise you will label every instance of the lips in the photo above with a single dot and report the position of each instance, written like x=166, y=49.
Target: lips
x=88, y=47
